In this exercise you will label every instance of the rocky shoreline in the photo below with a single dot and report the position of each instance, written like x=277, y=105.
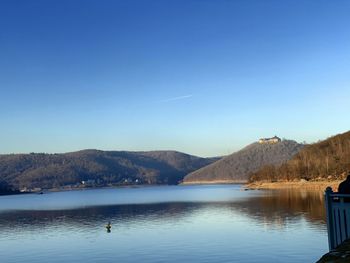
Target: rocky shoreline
x=339, y=255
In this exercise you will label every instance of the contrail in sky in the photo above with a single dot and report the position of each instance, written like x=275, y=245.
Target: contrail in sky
x=178, y=98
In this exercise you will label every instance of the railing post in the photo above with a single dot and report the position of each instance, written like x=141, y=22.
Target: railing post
x=330, y=223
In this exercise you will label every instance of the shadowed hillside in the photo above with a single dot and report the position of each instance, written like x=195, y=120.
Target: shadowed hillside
x=6, y=189
x=326, y=159
x=97, y=168
x=237, y=166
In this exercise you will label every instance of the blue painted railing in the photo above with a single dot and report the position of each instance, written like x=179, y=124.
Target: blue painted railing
x=338, y=217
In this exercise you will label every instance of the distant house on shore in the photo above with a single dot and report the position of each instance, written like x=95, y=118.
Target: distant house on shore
x=90, y=182
x=272, y=140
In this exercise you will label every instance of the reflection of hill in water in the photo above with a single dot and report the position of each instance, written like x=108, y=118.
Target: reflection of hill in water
x=273, y=208
x=97, y=216
x=284, y=206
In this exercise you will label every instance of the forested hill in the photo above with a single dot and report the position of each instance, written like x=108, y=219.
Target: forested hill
x=237, y=166
x=326, y=159
x=97, y=168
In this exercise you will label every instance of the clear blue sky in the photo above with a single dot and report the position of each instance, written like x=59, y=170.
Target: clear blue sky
x=198, y=76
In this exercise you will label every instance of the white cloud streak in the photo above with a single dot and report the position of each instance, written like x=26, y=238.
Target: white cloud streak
x=177, y=98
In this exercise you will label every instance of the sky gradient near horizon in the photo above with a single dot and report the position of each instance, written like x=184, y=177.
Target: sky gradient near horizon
x=197, y=76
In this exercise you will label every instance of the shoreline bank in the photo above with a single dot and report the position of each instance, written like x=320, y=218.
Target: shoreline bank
x=213, y=182
x=304, y=185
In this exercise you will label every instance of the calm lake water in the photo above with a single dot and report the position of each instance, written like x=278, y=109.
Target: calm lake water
x=216, y=223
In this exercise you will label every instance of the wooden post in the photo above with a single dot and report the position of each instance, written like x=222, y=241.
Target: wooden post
x=330, y=223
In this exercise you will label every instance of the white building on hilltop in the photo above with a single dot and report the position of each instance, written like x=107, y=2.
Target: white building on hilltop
x=272, y=140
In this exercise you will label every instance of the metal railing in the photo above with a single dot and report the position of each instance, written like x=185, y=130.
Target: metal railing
x=338, y=217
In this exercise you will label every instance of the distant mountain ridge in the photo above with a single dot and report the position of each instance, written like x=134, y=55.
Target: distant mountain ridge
x=39, y=170
x=237, y=166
